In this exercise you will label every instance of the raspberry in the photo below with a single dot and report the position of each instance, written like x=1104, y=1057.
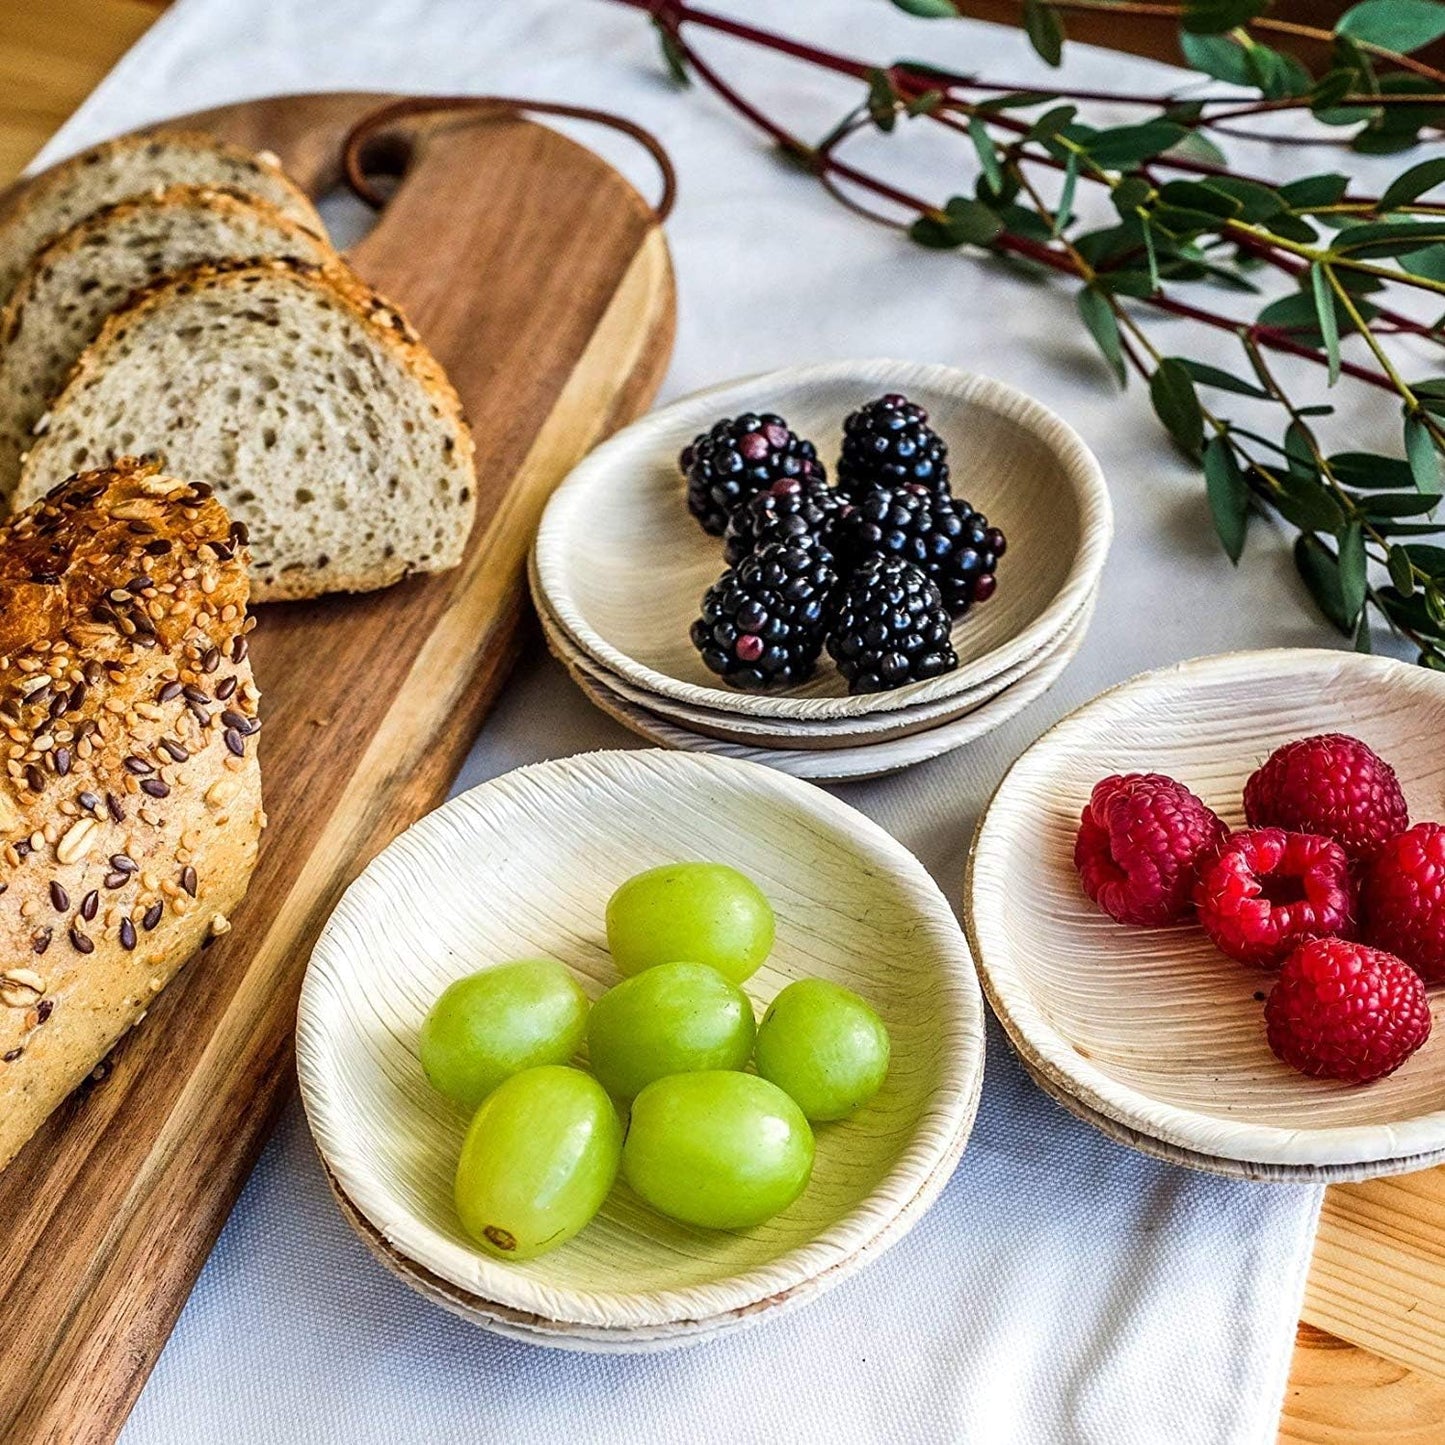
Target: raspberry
x=1266, y=891
x=1331, y=784
x=1139, y=843
x=1343, y=1011
x=1402, y=899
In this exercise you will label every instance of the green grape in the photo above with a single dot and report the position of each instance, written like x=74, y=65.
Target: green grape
x=676, y=1018
x=704, y=912
x=487, y=1026
x=823, y=1045
x=539, y=1158
x=719, y=1149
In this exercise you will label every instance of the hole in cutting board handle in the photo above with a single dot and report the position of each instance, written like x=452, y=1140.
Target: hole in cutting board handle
x=370, y=150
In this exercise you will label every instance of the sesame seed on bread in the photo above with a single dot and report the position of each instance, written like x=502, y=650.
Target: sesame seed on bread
x=130, y=802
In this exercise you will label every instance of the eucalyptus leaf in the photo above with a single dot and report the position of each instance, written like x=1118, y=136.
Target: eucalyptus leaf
x=1428, y=263
x=1398, y=25
x=882, y=100
x=929, y=9
x=1389, y=238
x=1125, y=146
x=1381, y=506
x=1322, y=190
x=1353, y=568
x=672, y=56
x=1413, y=183
x=1213, y=17
x=1176, y=403
x=1216, y=55
x=1401, y=567
x=987, y=154
x=1228, y=494
x=1044, y=30
x=1103, y=325
x=1320, y=571
x=1429, y=559
x=1366, y=471
x=1324, y=299
x=1423, y=456
x=1065, y=212
x=1221, y=380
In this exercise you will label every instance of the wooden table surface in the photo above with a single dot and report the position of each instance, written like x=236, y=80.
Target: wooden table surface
x=1369, y=1359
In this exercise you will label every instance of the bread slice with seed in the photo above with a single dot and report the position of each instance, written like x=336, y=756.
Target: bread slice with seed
x=72, y=284
x=130, y=802
x=303, y=397
x=117, y=170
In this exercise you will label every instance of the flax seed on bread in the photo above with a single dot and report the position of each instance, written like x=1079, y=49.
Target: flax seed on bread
x=130, y=801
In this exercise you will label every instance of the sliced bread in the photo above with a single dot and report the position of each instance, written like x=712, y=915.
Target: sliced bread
x=71, y=285
x=306, y=400
x=131, y=165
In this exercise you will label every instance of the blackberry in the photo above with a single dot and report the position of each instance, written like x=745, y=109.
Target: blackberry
x=940, y=534
x=731, y=463
x=793, y=508
x=762, y=621
x=888, y=443
x=891, y=627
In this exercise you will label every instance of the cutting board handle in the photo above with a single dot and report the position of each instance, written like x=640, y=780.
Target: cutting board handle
x=374, y=147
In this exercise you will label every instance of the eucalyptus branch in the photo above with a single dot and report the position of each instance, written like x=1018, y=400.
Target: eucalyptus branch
x=1185, y=223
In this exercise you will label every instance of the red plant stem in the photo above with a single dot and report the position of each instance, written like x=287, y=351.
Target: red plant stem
x=669, y=13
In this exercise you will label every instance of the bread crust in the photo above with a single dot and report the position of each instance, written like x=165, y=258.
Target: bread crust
x=385, y=320
x=39, y=188
x=130, y=802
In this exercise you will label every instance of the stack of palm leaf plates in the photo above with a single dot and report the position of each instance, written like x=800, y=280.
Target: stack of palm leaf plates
x=620, y=567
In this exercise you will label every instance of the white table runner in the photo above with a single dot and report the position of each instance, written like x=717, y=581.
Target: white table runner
x=1063, y=1289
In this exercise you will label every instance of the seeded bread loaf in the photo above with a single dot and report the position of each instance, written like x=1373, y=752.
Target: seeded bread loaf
x=130, y=803
x=306, y=400
x=116, y=170
x=72, y=284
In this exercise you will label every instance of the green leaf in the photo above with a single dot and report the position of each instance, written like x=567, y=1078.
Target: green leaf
x=1152, y=254
x=1307, y=504
x=1353, y=571
x=1311, y=191
x=1221, y=380
x=1125, y=146
x=1051, y=122
x=1297, y=314
x=1103, y=326
x=1428, y=263
x=1213, y=17
x=1413, y=183
x=1202, y=196
x=1044, y=30
x=1398, y=25
x=1408, y=611
x=1274, y=73
x=1176, y=403
x=1365, y=471
x=1065, y=212
x=1381, y=506
x=1331, y=88
x=1402, y=571
x=987, y=155
x=1324, y=298
x=882, y=100
x=1217, y=56
x=1435, y=604
x=1423, y=457
x=672, y=55
x=964, y=222
x=1389, y=238
x=1196, y=146
x=1430, y=560
x=1320, y=571
x=929, y=9
x=1257, y=202
x=1228, y=494
x=1430, y=393
x=1362, y=634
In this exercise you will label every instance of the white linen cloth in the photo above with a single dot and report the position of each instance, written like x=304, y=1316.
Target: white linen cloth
x=1063, y=1289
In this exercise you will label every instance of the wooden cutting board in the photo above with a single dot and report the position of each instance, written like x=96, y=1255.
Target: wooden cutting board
x=541, y=280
